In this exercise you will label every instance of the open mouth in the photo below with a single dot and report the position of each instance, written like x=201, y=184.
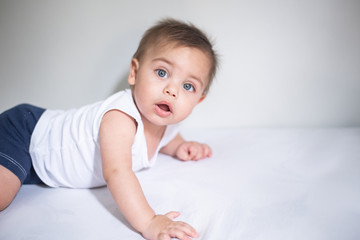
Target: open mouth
x=164, y=107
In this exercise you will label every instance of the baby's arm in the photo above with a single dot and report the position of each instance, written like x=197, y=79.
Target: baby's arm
x=117, y=133
x=185, y=151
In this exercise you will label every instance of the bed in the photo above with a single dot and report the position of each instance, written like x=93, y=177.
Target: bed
x=259, y=184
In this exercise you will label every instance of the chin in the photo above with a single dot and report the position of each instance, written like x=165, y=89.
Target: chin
x=157, y=121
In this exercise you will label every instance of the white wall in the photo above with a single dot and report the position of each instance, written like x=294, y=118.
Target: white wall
x=283, y=63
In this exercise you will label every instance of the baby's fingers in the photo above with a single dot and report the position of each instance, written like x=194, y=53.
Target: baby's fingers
x=172, y=215
x=183, y=231
x=207, y=151
x=183, y=154
x=180, y=230
x=194, y=152
x=200, y=151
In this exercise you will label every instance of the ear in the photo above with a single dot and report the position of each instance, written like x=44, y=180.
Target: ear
x=202, y=98
x=134, y=67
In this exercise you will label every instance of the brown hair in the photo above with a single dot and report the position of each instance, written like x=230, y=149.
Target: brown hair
x=174, y=31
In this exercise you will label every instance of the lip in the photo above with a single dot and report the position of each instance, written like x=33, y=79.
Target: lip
x=161, y=112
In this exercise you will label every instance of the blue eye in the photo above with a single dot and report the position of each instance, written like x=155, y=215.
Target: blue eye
x=161, y=73
x=188, y=87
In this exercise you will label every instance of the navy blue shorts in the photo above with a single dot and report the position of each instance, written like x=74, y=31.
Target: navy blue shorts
x=16, y=126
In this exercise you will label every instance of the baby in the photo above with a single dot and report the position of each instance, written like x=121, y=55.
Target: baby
x=107, y=142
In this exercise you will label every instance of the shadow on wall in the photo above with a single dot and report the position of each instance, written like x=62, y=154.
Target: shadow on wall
x=122, y=84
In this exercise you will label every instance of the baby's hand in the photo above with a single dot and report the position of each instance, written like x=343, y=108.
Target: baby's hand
x=193, y=151
x=162, y=227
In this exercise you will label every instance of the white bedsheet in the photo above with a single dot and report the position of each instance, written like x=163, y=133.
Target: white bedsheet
x=267, y=184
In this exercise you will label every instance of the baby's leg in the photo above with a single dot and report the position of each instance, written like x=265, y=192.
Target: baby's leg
x=16, y=127
x=9, y=187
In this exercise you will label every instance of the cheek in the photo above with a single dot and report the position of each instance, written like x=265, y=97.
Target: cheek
x=140, y=97
x=187, y=108
x=144, y=94
x=147, y=83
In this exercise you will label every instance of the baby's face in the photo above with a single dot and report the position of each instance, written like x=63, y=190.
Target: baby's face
x=169, y=82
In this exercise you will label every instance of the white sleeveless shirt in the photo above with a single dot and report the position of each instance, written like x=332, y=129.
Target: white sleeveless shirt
x=65, y=147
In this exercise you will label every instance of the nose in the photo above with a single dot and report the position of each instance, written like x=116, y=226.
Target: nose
x=170, y=91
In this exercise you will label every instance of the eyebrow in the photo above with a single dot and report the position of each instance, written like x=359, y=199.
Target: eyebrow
x=163, y=60
x=172, y=64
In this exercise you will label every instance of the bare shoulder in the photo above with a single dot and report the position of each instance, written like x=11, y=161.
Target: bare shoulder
x=115, y=126
x=116, y=120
